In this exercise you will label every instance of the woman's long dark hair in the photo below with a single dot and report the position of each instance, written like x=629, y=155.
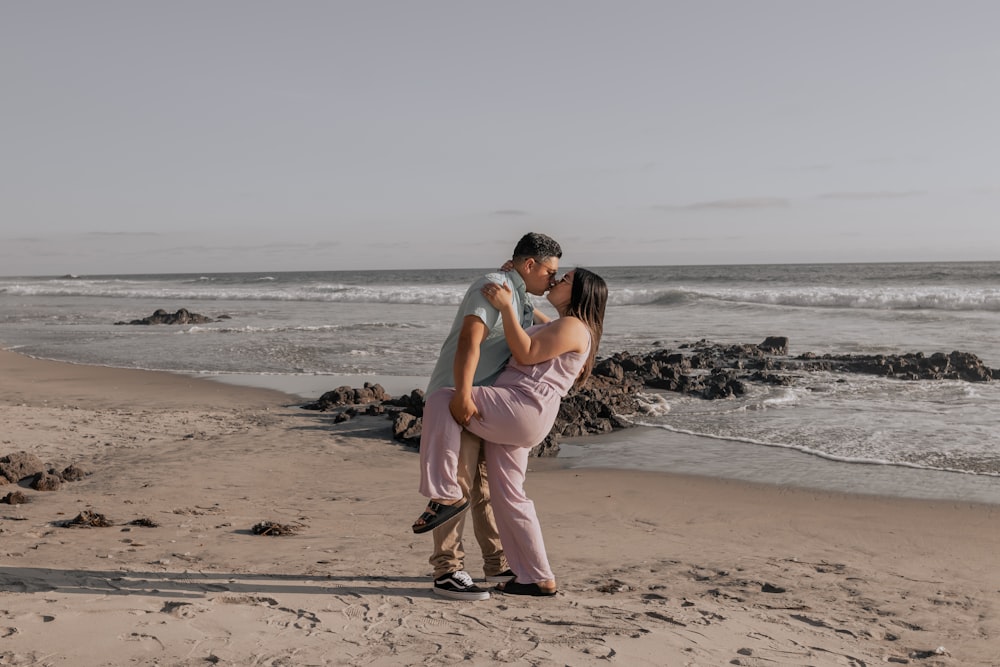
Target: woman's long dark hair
x=588, y=298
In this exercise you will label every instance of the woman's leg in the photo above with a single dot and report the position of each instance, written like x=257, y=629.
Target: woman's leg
x=520, y=532
x=440, y=442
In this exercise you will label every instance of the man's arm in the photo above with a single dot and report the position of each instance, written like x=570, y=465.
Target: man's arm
x=473, y=333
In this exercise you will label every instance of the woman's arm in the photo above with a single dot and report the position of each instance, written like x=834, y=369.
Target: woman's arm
x=567, y=334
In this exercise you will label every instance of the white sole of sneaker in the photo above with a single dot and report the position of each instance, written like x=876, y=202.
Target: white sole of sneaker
x=465, y=597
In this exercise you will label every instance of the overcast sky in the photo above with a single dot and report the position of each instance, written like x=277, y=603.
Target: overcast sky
x=267, y=136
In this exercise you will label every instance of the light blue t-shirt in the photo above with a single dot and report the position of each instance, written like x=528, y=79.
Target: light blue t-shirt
x=493, y=351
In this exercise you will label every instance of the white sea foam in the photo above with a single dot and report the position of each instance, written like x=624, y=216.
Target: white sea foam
x=269, y=288
x=324, y=293
x=816, y=452
x=886, y=298
x=654, y=405
x=784, y=398
x=324, y=328
x=363, y=323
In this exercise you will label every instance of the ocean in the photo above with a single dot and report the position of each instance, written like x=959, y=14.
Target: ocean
x=308, y=332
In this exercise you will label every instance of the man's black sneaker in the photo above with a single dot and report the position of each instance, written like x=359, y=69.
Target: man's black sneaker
x=459, y=586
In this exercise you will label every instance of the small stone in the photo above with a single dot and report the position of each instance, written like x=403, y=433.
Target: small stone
x=15, y=498
x=87, y=519
x=73, y=473
x=273, y=528
x=46, y=481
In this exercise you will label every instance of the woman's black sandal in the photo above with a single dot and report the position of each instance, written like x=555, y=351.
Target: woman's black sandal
x=515, y=587
x=437, y=514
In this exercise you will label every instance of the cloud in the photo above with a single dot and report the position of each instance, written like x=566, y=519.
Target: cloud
x=735, y=203
x=871, y=195
x=509, y=211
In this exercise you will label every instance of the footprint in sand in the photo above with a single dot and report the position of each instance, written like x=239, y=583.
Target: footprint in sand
x=30, y=617
x=180, y=609
x=246, y=599
x=140, y=637
x=355, y=612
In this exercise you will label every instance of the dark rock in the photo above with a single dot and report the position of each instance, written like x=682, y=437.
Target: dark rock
x=182, y=316
x=15, y=498
x=702, y=369
x=407, y=428
x=912, y=366
x=412, y=403
x=47, y=481
x=774, y=345
x=273, y=529
x=144, y=522
x=73, y=473
x=547, y=447
x=345, y=395
x=87, y=519
x=614, y=586
x=17, y=466
x=610, y=369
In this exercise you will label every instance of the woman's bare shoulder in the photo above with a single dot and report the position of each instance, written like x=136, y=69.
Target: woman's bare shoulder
x=573, y=327
x=570, y=321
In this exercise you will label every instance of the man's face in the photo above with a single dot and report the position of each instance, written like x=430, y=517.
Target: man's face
x=539, y=275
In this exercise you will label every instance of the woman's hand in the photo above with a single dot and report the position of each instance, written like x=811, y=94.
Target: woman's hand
x=499, y=296
x=507, y=266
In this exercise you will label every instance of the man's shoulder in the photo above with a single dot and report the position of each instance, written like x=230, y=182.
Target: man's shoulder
x=498, y=277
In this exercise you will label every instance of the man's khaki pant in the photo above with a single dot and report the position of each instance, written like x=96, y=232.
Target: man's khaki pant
x=449, y=552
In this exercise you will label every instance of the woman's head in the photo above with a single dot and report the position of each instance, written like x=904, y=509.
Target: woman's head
x=588, y=298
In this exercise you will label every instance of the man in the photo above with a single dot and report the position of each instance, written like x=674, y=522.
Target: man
x=474, y=353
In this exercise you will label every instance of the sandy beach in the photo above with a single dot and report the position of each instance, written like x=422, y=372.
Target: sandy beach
x=654, y=569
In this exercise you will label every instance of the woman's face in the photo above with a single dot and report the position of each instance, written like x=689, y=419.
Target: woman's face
x=560, y=293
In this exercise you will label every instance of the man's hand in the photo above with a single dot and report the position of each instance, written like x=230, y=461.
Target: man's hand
x=463, y=409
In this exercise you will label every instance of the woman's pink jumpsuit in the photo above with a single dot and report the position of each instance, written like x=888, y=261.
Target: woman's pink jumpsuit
x=515, y=414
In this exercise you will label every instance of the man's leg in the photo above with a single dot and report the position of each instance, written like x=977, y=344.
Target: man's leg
x=450, y=578
x=483, y=522
x=449, y=551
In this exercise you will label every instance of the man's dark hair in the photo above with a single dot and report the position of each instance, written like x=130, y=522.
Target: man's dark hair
x=539, y=246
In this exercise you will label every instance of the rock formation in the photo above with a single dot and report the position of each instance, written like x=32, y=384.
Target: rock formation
x=703, y=369
x=182, y=316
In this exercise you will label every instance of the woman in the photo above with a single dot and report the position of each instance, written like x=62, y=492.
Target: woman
x=514, y=415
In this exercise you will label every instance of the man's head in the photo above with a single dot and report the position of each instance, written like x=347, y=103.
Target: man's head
x=536, y=259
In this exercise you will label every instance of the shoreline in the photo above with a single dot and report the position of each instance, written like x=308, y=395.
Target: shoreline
x=654, y=449
x=653, y=568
